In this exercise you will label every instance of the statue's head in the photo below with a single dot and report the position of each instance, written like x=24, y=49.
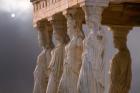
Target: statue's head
x=60, y=36
x=71, y=25
x=45, y=39
x=120, y=36
x=45, y=36
x=74, y=24
x=60, y=32
x=57, y=35
x=120, y=42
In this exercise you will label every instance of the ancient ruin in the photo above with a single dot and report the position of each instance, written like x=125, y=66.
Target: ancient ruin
x=75, y=61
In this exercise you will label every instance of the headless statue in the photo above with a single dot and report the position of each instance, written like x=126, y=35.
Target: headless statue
x=41, y=73
x=72, y=60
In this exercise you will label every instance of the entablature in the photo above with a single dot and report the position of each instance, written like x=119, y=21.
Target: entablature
x=44, y=9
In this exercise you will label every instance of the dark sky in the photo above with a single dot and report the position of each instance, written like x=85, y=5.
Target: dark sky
x=18, y=51
x=19, y=48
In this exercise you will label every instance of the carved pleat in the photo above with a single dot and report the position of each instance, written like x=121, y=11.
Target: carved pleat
x=41, y=73
x=121, y=72
x=72, y=65
x=56, y=67
x=91, y=79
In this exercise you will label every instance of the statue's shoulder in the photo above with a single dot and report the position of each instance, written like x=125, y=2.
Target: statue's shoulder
x=59, y=49
x=41, y=54
x=41, y=57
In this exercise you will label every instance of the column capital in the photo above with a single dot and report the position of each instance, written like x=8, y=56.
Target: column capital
x=45, y=34
x=43, y=25
x=121, y=31
x=94, y=11
x=58, y=21
x=100, y=3
x=59, y=28
x=74, y=22
x=120, y=36
x=71, y=11
x=93, y=17
x=74, y=13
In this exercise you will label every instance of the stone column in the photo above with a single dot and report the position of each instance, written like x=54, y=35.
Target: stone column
x=56, y=64
x=41, y=73
x=92, y=75
x=73, y=53
x=120, y=69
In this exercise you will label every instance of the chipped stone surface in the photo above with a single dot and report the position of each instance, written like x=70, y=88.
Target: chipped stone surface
x=79, y=66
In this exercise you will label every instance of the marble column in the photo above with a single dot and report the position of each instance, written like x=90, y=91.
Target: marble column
x=56, y=64
x=73, y=53
x=92, y=74
x=120, y=69
x=41, y=73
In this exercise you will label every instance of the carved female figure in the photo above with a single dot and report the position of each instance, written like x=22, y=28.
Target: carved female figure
x=41, y=73
x=120, y=71
x=91, y=79
x=73, y=53
x=56, y=64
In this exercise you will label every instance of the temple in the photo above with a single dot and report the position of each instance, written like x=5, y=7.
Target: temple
x=75, y=63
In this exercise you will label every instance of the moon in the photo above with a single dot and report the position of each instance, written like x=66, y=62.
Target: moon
x=16, y=8
x=13, y=15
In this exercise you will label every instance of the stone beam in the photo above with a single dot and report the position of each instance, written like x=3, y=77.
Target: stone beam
x=125, y=14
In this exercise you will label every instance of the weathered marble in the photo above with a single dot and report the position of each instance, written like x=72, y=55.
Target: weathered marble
x=73, y=53
x=91, y=79
x=56, y=64
x=41, y=73
x=92, y=72
x=120, y=69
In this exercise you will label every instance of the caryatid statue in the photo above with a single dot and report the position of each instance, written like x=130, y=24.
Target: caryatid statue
x=92, y=74
x=56, y=64
x=120, y=69
x=41, y=73
x=73, y=53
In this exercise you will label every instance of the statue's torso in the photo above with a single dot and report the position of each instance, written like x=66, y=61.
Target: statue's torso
x=121, y=70
x=73, y=58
